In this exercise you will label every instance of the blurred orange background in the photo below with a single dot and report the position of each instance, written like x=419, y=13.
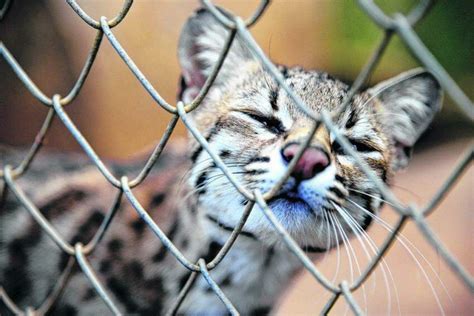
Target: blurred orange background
x=119, y=118
x=113, y=110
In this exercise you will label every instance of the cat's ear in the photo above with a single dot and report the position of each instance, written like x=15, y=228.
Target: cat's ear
x=200, y=45
x=410, y=101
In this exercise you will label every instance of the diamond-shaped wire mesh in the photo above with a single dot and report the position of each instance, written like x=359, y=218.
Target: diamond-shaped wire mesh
x=400, y=25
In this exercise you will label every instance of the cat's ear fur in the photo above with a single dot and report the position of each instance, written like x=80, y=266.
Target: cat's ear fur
x=410, y=102
x=200, y=45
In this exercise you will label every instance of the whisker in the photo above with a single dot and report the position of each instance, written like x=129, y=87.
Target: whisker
x=355, y=257
x=185, y=176
x=208, y=181
x=405, y=239
x=412, y=255
x=413, y=194
x=374, y=249
x=346, y=243
x=350, y=223
x=328, y=239
x=338, y=249
x=371, y=195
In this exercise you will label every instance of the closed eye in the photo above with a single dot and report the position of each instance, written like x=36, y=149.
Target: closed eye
x=359, y=145
x=273, y=124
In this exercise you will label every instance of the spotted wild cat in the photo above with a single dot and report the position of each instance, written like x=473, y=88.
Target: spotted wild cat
x=256, y=129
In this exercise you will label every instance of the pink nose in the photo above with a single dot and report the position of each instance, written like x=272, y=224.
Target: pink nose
x=313, y=161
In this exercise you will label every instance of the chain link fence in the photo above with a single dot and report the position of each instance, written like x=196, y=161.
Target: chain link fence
x=396, y=25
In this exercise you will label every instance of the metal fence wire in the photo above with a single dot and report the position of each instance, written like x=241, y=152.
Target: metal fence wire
x=398, y=24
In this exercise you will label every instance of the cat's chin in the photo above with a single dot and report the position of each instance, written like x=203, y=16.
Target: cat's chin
x=291, y=204
x=288, y=205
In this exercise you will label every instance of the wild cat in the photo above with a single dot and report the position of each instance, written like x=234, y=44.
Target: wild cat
x=256, y=130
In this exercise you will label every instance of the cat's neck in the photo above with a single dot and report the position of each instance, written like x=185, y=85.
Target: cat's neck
x=252, y=275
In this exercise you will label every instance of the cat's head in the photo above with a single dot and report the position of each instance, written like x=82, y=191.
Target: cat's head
x=252, y=124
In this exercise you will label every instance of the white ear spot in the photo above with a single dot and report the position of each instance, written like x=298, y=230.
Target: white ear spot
x=189, y=94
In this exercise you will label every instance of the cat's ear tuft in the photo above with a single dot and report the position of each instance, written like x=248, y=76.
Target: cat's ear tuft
x=201, y=42
x=410, y=102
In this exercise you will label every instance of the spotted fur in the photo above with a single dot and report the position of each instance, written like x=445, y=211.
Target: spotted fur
x=248, y=120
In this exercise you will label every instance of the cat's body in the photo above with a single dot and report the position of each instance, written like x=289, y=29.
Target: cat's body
x=256, y=129
x=141, y=276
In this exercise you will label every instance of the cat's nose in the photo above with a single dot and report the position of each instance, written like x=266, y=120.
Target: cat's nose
x=313, y=161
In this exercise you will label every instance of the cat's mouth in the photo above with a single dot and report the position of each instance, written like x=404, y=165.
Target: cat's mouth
x=290, y=202
x=294, y=210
